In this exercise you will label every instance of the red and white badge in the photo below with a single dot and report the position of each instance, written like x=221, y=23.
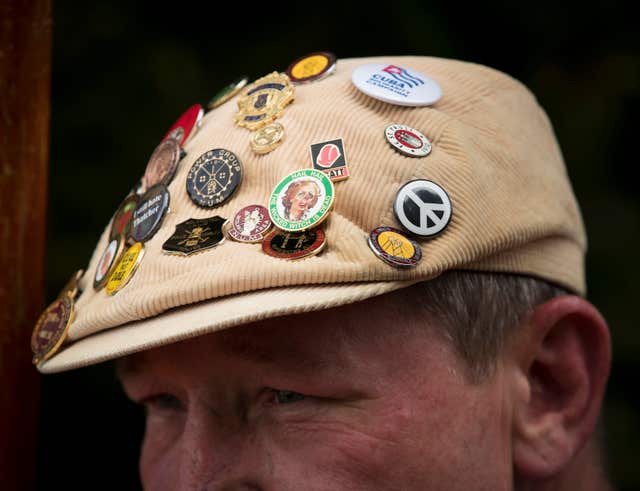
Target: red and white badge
x=186, y=125
x=250, y=224
x=329, y=157
x=407, y=140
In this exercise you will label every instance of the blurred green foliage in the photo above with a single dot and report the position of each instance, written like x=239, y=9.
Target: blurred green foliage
x=124, y=71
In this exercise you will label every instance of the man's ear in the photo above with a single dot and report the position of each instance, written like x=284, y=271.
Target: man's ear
x=561, y=366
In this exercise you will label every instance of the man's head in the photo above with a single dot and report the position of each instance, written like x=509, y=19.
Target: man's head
x=442, y=359
x=472, y=381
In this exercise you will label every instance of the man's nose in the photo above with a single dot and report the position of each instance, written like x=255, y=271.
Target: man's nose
x=221, y=454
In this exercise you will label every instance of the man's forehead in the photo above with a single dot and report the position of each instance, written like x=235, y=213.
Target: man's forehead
x=311, y=340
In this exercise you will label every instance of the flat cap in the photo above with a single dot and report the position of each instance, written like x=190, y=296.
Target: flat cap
x=493, y=151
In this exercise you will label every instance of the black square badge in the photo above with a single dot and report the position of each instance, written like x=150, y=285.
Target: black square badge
x=329, y=157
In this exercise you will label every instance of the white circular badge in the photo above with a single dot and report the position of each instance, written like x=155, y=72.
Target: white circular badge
x=407, y=140
x=396, y=85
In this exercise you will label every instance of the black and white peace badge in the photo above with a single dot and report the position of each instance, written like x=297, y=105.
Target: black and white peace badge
x=423, y=208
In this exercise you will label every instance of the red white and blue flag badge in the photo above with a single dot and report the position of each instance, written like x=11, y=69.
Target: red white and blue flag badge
x=329, y=157
x=396, y=85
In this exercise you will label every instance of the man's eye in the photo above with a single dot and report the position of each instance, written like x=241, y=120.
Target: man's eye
x=287, y=396
x=165, y=402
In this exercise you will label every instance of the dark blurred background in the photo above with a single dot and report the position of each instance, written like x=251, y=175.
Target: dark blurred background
x=123, y=72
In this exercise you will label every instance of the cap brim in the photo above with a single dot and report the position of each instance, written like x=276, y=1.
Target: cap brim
x=211, y=316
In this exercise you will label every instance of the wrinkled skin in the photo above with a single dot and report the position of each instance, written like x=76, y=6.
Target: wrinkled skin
x=385, y=407
x=363, y=397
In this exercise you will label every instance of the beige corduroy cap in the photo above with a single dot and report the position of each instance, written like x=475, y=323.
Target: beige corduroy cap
x=493, y=151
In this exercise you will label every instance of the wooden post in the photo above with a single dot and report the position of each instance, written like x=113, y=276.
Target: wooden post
x=25, y=73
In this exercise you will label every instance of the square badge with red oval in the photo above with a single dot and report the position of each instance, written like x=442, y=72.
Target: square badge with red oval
x=330, y=158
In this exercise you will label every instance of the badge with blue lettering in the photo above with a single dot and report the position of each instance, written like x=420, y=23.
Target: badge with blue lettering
x=396, y=85
x=263, y=101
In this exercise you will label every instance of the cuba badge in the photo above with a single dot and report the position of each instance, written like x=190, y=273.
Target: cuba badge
x=263, y=101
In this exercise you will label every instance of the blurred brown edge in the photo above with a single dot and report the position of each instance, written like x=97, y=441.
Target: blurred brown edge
x=25, y=76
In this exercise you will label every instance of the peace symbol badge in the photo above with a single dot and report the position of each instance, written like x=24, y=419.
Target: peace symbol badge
x=423, y=208
x=214, y=177
x=263, y=101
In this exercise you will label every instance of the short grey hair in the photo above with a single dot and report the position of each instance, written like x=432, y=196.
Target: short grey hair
x=480, y=311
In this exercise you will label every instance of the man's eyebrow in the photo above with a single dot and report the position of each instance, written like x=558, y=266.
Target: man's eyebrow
x=247, y=348
x=129, y=366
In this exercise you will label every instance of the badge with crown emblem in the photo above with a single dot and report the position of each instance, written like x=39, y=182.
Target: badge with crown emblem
x=263, y=101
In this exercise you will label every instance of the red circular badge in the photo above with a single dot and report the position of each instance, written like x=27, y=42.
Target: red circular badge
x=250, y=224
x=185, y=125
x=51, y=329
x=294, y=245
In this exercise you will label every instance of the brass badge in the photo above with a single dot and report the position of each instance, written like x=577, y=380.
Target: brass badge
x=294, y=245
x=51, y=329
x=267, y=138
x=195, y=235
x=263, y=101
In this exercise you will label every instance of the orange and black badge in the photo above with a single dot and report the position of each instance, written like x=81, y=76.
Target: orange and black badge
x=195, y=235
x=51, y=329
x=312, y=67
x=330, y=158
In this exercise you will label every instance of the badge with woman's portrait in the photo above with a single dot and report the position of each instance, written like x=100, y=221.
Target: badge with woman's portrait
x=301, y=201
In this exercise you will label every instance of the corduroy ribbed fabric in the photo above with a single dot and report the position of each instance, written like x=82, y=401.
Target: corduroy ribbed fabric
x=494, y=152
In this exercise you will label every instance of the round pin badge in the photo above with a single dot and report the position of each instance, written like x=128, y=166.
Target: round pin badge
x=267, y=138
x=396, y=85
x=407, y=140
x=250, y=224
x=312, y=67
x=121, y=223
x=162, y=164
x=51, y=329
x=423, y=208
x=301, y=201
x=125, y=268
x=213, y=177
x=186, y=125
x=107, y=261
x=294, y=245
x=148, y=215
x=394, y=248
x=228, y=92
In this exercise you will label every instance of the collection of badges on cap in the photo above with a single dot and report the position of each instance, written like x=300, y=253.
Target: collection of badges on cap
x=289, y=226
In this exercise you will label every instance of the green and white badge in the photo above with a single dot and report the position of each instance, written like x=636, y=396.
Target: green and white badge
x=301, y=201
